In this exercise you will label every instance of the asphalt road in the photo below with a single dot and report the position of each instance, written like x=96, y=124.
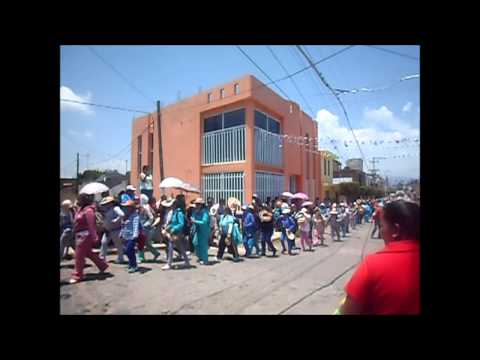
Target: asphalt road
x=309, y=283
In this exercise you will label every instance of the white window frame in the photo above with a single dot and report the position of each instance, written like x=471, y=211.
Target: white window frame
x=209, y=98
x=222, y=93
x=236, y=89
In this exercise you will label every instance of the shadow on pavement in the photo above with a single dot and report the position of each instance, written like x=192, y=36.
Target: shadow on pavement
x=89, y=277
x=183, y=267
x=72, y=266
x=143, y=270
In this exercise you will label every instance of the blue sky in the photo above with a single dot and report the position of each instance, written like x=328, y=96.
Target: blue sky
x=165, y=72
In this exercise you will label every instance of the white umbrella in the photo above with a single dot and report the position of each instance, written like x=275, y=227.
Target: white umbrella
x=172, y=182
x=94, y=188
x=287, y=194
x=190, y=188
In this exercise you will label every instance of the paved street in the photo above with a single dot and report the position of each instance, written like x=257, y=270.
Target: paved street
x=310, y=283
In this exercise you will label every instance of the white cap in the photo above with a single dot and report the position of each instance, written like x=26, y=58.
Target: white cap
x=67, y=203
x=131, y=187
x=286, y=211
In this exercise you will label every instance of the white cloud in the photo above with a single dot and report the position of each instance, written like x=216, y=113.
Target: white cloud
x=86, y=134
x=69, y=94
x=381, y=124
x=384, y=118
x=407, y=107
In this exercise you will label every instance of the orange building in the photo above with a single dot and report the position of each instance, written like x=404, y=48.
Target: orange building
x=230, y=141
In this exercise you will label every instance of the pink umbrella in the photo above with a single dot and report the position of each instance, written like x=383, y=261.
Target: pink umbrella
x=301, y=196
x=287, y=194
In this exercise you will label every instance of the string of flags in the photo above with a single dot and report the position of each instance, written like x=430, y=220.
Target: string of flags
x=364, y=89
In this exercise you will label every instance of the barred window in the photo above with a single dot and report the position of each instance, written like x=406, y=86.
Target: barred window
x=223, y=185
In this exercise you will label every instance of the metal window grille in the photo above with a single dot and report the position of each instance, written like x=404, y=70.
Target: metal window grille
x=227, y=145
x=268, y=184
x=293, y=184
x=267, y=148
x=223, y=185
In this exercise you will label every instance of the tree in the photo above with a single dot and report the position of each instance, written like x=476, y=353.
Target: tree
x=350, y=190
x=90, y=175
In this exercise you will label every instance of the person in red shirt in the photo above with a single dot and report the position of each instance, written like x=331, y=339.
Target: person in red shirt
x=85, y=237
x=388, y=281
x=377, y=219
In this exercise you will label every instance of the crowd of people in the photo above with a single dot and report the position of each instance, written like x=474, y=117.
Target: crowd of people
x=133, y=221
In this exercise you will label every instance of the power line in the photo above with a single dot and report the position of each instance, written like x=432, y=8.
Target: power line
x=393, y=52
x=263, y=72
x=291, y=79
x=120, y=74
x=338, y=99
x=105, y=106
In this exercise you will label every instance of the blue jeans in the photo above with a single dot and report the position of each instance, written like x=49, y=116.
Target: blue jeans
x=129, y=250
x=342, y=228
x=250, y=242
x=266, y=240
x=290, y=243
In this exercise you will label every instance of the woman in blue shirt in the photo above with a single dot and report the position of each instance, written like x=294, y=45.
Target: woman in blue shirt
x=230, y=235
x=201, y=223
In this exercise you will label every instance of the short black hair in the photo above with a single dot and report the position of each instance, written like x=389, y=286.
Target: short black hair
x=145, y=167
x=228, y=211
x=406, y=215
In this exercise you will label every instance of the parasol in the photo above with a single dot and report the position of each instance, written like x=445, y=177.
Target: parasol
x=94, y=188
x=300, y=196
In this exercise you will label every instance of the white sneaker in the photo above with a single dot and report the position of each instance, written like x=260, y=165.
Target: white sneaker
x=188, y=253
x=166, y=267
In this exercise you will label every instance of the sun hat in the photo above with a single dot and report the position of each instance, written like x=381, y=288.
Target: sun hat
x=130, y=187
x=168, y=202
x=285, y=206
x=251, y=207
x=67, y=203
x=286, y=211
x=107, y=200
x=199, y=201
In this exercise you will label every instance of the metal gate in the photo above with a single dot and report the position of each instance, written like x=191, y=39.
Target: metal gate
x=223, y=185
x=268, y=185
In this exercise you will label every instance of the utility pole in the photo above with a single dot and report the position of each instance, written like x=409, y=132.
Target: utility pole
x=126, y=167
x=159, y=117
x=78, y=163
x=374, y=170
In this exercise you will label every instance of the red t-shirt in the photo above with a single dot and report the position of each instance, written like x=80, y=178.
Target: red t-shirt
x=388, y=281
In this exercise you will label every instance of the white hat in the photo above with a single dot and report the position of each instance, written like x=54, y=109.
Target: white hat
x=322, y=204
x=131, y=187
x=255, y=196
x=285, y=206
x=286, y=211
x=244, y=207
x=168, y=202
x=67, y=203
x=143, y=199
x=251, y=207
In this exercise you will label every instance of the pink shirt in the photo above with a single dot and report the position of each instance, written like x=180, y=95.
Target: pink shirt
x=85, y=221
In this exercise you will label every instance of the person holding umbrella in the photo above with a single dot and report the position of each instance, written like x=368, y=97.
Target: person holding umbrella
x=250, y=230
x=85, y=237
x=201, y=222
x=174, y=232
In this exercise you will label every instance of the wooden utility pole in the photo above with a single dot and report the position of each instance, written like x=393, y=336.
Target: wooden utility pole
x=159, y=117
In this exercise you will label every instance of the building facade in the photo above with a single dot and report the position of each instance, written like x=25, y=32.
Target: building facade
x=230, y=141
